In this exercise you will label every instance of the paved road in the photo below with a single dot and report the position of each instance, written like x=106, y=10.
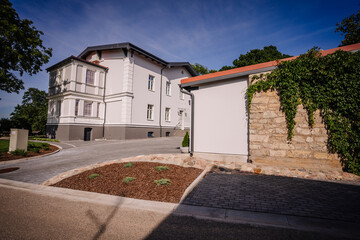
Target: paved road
x=79, y=153
x=28, y=215
x=279, y=195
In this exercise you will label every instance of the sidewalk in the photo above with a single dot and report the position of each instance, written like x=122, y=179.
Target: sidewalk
x=67, y=199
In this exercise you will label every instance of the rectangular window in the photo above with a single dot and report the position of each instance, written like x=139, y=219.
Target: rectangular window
x=77, y=107
x=151, y=83
x=150, y=112
x=90, y=76
x=87, y=108
x=181, y=96
x=58, y=108
x=168, y=88
x=167, y=114
x=98, y=110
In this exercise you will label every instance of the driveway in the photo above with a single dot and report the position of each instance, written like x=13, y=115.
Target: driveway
x=278, y=195
x=79, y=153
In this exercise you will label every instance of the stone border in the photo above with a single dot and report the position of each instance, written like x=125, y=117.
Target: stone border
x=182, y=160
x=39, y=156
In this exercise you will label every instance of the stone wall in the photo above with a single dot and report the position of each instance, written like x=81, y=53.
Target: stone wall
x=268, y=136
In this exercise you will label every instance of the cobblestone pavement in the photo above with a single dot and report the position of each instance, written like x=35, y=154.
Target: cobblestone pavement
x=279, y=195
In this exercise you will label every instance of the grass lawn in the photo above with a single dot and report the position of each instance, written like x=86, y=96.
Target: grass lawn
x=4, y=145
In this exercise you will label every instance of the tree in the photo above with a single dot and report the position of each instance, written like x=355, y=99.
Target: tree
x=5, y=125
x=32, y=113
x=350, y=27
x=21, y=48
x=201, y=69
x=269, y=53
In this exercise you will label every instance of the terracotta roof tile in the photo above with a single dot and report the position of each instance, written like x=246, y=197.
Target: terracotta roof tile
x=262, y=65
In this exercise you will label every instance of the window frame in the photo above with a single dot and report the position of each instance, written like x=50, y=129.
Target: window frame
x=151, y=83
x=150, y=112
x=90, y=76
x=168, y=88
x=88, y=103
x=167, y=114
x=77, y=102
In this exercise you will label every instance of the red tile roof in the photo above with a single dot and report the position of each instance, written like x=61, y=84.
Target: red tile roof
x=262, y=65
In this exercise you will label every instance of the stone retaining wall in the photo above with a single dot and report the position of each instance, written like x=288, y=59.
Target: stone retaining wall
x=268, y=136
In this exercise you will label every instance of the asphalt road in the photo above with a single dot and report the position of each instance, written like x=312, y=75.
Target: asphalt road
x=79, y=153
x=28, y=215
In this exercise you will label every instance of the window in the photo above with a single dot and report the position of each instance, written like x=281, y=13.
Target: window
x=151, y=83
x=77, y=107
x=168, y=88
x=58, y=108
x=90, y=75
x=87, y=108
x=150, y=134
x=167, y=114
x=181, y=96
x=98, y=110
x=168, y=134
x=150, y=112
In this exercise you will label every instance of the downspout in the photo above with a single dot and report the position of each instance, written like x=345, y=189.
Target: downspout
x=161, y=75
x=192, y=120
x=103, y=132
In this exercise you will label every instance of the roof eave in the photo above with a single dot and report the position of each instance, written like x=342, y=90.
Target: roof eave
x=229, y=76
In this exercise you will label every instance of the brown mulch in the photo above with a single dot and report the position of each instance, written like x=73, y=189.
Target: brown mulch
x=5, y=156
x=110, y=181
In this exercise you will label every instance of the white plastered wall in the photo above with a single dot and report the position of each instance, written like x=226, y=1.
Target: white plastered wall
x=220, y=118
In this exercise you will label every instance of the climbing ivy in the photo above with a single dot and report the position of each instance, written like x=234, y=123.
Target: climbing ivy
x=328, y=83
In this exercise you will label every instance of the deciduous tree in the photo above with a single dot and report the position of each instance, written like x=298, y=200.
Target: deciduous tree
x=21, y=48
x=350, y=28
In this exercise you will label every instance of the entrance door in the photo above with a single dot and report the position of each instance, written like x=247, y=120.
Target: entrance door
x=87, y=134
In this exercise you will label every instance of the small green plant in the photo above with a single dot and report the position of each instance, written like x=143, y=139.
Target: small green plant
x=185, y=142
x=94, y=175
x=128, y=179
x=43, y=139
x=161, y=168
x=34, y=150
x=127, y=165
x=19, y=152
x=162, y=182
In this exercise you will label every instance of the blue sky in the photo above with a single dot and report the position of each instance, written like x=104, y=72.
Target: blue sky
x=212, y=33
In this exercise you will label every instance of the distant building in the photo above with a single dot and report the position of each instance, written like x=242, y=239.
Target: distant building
x=117, y=91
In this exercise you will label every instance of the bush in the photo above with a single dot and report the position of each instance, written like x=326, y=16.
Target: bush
x=127, y=165
x=185, y=142
x=128, y=179
x=162, y=182
x=161, y=168
x=19, y=152
x=94, y=175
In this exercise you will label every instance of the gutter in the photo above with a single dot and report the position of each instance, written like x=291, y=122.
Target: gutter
x=161, y=77
x=103, y=130
x=192, y=120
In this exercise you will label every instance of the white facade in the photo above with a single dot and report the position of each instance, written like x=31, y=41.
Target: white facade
x=221, y=121
x=115, y=94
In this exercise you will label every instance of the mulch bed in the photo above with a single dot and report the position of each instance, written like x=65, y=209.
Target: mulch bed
x=110, y=181
x=5, y=156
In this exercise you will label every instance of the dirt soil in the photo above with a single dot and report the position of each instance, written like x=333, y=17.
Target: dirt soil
x=110, y=181
x=5, y=156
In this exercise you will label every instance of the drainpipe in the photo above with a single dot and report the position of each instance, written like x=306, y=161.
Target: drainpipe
x=161, y=75
x=192, y=120
x=103, y=132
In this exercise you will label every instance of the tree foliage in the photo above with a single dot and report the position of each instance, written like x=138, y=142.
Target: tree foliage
x=21, y=48
x=269, y=53
x=350, y=28
x=32, y=113
x=201, y=69
x=329, y=84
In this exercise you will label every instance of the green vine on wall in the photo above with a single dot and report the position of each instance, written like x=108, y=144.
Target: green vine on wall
x=328, y=83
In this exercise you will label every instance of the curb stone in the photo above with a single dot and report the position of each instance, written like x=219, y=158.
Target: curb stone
x=336, y=228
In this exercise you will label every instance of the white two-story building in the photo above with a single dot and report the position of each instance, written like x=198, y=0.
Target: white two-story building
x=117, y=91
